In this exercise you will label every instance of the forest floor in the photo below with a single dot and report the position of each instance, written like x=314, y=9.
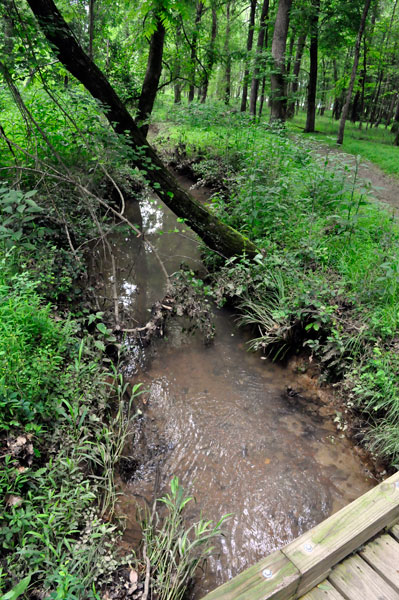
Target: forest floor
x=384, y=187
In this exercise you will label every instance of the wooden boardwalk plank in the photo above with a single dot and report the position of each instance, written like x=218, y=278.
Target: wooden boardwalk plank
x=395, y=531
x=356, y=580
x=382, y=554
x=298, y=567
x=318, y=550
x=256, y=583
x=324, y=591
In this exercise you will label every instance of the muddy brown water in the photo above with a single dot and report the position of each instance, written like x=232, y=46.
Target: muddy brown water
x=219, y=417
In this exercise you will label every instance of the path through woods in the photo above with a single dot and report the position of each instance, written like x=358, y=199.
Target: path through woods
x=384, y=187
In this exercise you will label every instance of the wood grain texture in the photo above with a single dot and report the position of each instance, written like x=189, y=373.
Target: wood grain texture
x=382, y=554
x=318, y=550
x=356, y=580
x=324, y=591
x=252, y=585
x=395, y=531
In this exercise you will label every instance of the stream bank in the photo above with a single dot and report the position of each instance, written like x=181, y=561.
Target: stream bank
x=245, y=436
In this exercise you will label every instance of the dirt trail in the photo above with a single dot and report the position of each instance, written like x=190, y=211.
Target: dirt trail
x=384, y=187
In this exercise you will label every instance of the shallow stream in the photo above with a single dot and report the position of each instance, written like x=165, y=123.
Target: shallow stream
x=244, y=436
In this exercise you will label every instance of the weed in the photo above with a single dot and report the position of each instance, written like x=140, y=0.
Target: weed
x=175, y=552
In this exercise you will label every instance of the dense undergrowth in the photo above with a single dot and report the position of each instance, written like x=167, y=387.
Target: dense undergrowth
x=326, y=277
x=56, y=441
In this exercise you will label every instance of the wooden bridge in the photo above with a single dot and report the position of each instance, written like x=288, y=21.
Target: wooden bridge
x=352, y=555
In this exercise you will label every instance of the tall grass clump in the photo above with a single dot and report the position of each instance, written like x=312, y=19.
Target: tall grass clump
x=175, y=552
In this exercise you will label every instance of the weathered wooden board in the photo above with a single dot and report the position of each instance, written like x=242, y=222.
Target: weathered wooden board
x=395, y=531
x=318, y=550
x=356, y=580
x=279, y=582
x=382, y=554
x=324, y=591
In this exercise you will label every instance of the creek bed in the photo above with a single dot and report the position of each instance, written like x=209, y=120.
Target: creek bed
x=244, y=436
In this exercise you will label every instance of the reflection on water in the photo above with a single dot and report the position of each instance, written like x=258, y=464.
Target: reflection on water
x=220, y=419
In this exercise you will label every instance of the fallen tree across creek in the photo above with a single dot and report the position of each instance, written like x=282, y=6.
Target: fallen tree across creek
x=216, y=234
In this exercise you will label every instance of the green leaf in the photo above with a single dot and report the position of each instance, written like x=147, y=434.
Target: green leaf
x=100, y=345
x=18, y=590
x=101, y=327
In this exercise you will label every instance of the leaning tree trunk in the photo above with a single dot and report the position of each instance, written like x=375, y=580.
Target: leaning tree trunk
x=250, y=40
x=217, y=235
x=259, y=49
x=312, y=86
x=152, y=76
x=278, y=83
x=345, y=109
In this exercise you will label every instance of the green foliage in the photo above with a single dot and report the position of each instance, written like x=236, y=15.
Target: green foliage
x=60, y=445
x=175, y=552
x=33, y=350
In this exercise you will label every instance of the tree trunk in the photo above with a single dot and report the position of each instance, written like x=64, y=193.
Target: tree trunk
x=227, y=89
x=262, y=97
x=210, y=56
x=323, y=91
x=297, y=67
x=391, y=109
x=91, y=28
x=396, y=124
x=152, y=76
x=290, y=52
x=177, y=66
x=278, y=82
x=259, y=49
x=345, y=109
x=193, y=56
x=363, y=83
x=312, y=86
x=262, y=93
x=219, y=236
x=250, y=41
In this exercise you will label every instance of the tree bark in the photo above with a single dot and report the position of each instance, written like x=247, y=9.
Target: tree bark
x=312, y=86
x=152, y=76
x=250, y=41
x=259, y=49
x=396, y=125
x=194, y=43
x=91, y=27
x=210, y=56
x=227, y=89
x=297, y=67
x=215, y=233
x=278, y=83
x=345, y=109
x=177, y=67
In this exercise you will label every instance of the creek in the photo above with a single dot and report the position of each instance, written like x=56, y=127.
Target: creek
x=244, y=435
